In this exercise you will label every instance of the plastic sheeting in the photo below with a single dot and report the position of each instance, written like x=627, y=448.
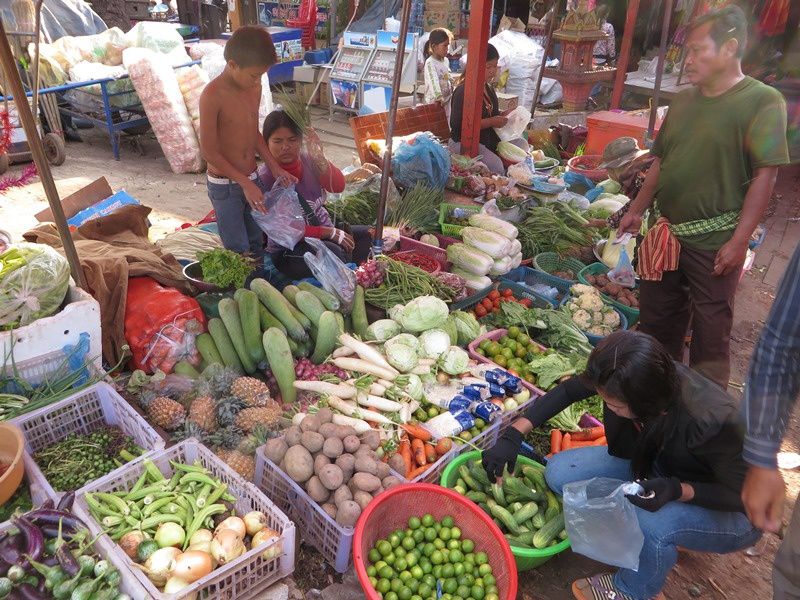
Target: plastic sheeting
x=59, y=18
x=373, y=18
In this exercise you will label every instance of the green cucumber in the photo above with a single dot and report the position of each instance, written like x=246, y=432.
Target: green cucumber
x=304, y=321
x=224, y=345
x=208, y=349
x=289, y=292
x=184, y=368
x=359, y=313
x=267, y=319
x=279, y=356
x=251, y=324
x=330, y=301
x=310, y=306
x=229, y=313
x=549, y=531
x=327, y=335
x=340, y=322
x=279, y=307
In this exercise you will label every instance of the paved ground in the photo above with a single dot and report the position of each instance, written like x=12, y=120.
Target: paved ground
x=176, y=199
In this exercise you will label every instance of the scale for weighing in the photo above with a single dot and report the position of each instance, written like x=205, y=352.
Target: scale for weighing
x=348, y=70
x=376, y=91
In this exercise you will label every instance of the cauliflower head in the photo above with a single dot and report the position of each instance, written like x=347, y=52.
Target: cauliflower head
x=597, y=317
x=597, y=330
x=611, y=319
x=579, y=289
x=591, y=302
x=582, y=319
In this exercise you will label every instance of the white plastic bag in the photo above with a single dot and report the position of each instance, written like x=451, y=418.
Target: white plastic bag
x=623, y=274
x=331, y=272
x=518, y=121
x=601, y=522
x=283, y=222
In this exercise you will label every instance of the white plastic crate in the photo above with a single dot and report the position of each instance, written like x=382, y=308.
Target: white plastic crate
x=315, y=526
x=243, y=578
x=37, y=348
x=37, y=492
x=84, y=412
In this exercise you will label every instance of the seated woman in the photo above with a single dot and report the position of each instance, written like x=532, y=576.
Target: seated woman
x=672, y=429
x=316, y=175
x=491, y=117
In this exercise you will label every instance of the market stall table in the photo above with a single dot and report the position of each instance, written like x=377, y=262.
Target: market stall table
x=640, y=83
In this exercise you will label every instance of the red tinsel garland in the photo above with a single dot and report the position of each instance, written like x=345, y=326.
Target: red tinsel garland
x=28, y=173
x=5, y=131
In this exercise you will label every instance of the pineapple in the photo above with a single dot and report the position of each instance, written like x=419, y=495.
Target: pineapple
x=190, y=429
x=202, y=412
x=249, y=418
x=227, y=409
x=164, y=412
x=258, y=437
x=253, y=391
x=216, y=381
x=227, y=437
x=243, y=464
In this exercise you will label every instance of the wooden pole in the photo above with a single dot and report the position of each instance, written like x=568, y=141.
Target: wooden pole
x=662, y=56
x=9, y=65
x=477, y=41
x=377, y=241
x=548, y=40
x=625, y=53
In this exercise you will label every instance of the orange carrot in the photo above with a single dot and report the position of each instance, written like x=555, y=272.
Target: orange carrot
x=405, y=451
x=418, y=432
x=601, y=441
x=549, y=456
x=566, y=442
x=430, y=453
x=555, y=440
x=580, y=443
x=417, y=472
x=418, y=450
x=590, y=434
x=444, y=446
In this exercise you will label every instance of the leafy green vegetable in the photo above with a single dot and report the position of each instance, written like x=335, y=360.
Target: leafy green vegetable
x=418, y=210
x=224, y=268
x=567, y=420
x=552, y=328
x=20, y=503
x=355, y=208
x=552, y=366
x=593, y=406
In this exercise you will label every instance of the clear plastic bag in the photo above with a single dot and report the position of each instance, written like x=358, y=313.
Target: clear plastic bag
x=518, y=121
x=283, y=222
x=601, y=523
x=623, y=274
x=331, y=272
x=34, y=280
x=421, y=160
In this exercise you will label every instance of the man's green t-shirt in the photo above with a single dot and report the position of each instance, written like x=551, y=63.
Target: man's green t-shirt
x=709, y=148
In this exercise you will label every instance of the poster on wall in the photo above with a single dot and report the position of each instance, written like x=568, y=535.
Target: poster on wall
x=344, y=93
x=275, y=14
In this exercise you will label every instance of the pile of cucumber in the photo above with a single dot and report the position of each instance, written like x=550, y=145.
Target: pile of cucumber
x=524, y=508
x=262, y=327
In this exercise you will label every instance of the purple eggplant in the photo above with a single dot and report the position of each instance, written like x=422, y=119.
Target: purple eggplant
x=28, y=592
x=66, y=501
x=67, y=560
x=11, y=548
x=48, y=504
x=52, y=516
x=588, y=420
x=50, y=561
x=34, y=539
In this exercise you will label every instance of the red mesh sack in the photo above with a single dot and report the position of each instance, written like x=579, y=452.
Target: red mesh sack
x=161, y=325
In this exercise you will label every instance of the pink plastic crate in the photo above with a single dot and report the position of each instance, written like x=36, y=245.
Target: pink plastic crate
x=496, y=335
x=243, y=578
x=84, y=412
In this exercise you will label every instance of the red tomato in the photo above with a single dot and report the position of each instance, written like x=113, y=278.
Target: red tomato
x=480, y=311
x=494, y=295
x=526, y=302
x=487, y=304
x=508, y=293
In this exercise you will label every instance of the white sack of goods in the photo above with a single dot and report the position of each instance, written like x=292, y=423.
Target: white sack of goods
x=192, y=81
x=158, y=89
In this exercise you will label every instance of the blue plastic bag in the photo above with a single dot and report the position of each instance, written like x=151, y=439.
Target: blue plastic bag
x=421, y=160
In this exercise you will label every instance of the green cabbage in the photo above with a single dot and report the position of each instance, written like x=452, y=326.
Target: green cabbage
x=454, y=361
x=610, y=186
x=382, y=330
x=403, y=358
x=467, y=326
x=414, y=387
x=510, y=152
x=402, y=339
x=434, y=343
x=489, y=242
x=423, y=313
x=452, y=329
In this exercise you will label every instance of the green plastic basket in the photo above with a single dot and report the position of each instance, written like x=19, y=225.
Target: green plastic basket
x=444, y=213
x=526, y=558
x=632, y=314
x=552, y=261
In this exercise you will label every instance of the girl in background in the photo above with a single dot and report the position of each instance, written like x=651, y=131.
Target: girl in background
x=438, y=85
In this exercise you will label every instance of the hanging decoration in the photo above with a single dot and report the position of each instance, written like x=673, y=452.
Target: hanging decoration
x=5, y=131
x=28, y=174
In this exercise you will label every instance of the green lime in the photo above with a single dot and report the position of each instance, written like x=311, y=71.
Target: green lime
x=477, y=592
x=412, y=558
x=508, y=353
x=439, y=544
x=489, y=579
x=513, y=332
x=419, y=535
x=384, y=585
x=491, y=589
x=521, y=351
x=397, y=585
x=405, y=593
x=448, y=521
x=467, y=546
x=465, y=435
x=511, y=345
x=408, y=543
x=462, y=591
x=373, y=581
x=427, y=567
x=380, y=564
x=384, y=547
x=372, y=571
x=453, y=544
x=416, y=572
x=405, y=576
x=481, y=559
x=455, y=533
x=400, y=564
x=429, y=579
x=450, y=586
x=485, y=344
x=491, y=597
x=414, y=523
x=386, y=572
x=500, y=361
x=430, y=534
x=437, y=571
x=395, y=540
x=391, y=596
x=437, y=557
x=390, y=558
x=444, y=534
x=428, y=549
x=433, y=412
x=504, y=340
x=495, y=349
x=456, y=556
x=424, y=590
x=523, y=339
x=413, y=585
x=374, y=556
x=417, y=597
x=448, y=570
x=428, y=520
x=400, y=552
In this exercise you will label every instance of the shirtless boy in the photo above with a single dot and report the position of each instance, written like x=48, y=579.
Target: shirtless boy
x=230, y=139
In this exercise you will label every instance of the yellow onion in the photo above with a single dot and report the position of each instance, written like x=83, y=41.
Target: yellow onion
x=192, y=565
x=254, y=522
x=130, y=543
x=175, y=585
x=169, y=534
x=234, y=523
x=264, y=535
x=201, y=547
x=159, y=565
x=201, y=535
x=226, y=546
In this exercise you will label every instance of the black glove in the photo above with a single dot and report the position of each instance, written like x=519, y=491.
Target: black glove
x=503, y=453
x=661, y=490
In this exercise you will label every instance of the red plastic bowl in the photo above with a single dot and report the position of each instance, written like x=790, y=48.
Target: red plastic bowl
x=392, y=509
x=587, y=165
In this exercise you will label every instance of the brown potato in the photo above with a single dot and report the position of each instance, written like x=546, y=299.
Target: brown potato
x=333, y=447
x=312, y=441
x=316, y=490
x=310, y=423
x=331, y=477
x=292, y=436
x=351, y=444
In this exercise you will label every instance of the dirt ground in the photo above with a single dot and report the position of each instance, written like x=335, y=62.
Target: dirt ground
x=176, y=199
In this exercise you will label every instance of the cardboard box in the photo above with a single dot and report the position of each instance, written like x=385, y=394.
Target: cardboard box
x=305, y=73
x=85, y=197
x=507, y=101
x=305, y=90
x=324, y=94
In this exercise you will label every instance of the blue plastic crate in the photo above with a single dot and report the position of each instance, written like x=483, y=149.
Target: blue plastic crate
x=527, y=277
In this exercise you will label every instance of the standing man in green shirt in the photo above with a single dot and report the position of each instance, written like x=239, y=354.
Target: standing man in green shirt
x=716, y=161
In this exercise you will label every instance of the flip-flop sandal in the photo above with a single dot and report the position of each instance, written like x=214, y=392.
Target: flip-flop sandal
x=601, y=587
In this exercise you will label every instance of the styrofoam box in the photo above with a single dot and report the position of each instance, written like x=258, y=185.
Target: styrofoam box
x=243, y=578
x=37, y=348
x=84, y=412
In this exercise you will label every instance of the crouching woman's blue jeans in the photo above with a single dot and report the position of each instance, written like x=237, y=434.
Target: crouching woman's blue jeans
x=677, y=524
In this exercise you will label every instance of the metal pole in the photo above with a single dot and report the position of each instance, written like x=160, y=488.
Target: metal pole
x=377, y=241
x=549, y=40
x=662, y=55
x=9, y=65
x=625, y=53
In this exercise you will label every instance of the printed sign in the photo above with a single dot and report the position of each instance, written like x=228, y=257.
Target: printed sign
x=275, y=14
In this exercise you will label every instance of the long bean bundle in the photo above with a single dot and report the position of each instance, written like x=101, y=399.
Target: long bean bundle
x=359, y=208
x=402, y=283
x=547, y=230
x=418, y=210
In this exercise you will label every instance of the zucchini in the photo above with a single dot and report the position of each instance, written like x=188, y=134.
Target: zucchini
x=267, y=319
x=340, y=322
x=304, y=321
x=359, y=314
x=327, y=335
x=224, y=345
x=251, y=323
x=289, y=292
x=310, y=306
x=279, y=356
x=279, y=307
x=187, y=370
x=229, y=313
x=208, y=349
x=330, y=301
x=549, y=531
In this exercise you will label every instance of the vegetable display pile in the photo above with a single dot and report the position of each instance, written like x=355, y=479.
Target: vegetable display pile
x=355, y=208
x=417, y=211
x=524, y=508
x=494, y=300
x=426, y=263
x=590, y=313
x=552, y=328
x=590, y=436
x=490, y=248
x=623, y=295
x=49, y=554
x=180, y=529
x=403, y=283
x=339, y=470
x=81, y=458
x=223, y=268
x=555, y=227
x=513, y=351
x=431, y=559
